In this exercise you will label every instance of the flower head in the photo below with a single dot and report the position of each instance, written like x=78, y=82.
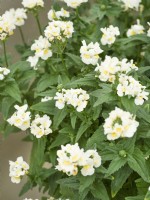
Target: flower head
x=135, y=29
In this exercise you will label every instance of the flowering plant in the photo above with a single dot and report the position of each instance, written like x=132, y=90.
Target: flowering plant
x=81, y=93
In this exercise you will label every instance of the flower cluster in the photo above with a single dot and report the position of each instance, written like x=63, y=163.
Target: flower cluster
x=59, y=30
x=90, y=53
x=75, y=97
x=18, y=169
x=20, y=16
x=109, y=35
x=71, y=157
x=3, y=72
x=74, y=3
x=55, y=15
x=112, y=66
x=42, y=50
x=120, y=124
x=135, y=29
x=40, y=126
x=21, y=118
x=128, y=86
x=30, y=4
x=133, y=4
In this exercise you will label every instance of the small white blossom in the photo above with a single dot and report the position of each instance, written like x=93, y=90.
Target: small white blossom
x=74, y=3
x=112, y=66
x=20, y=16
x=33, y=60
x=128, y=86
x=59, y=30
x=133, y=4
x=3, y=72
x=135, y=29
x=30, y=4
x=40, y=126
x=120, y=124
x=18, y=169
x=21, y=118
x=109, y=35
x=148, y=32
x=57, y=15
x=47, y=98
x=90, y=53
x=70, y=157
x=78, y=98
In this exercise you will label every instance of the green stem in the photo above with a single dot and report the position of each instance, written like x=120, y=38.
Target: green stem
x=22, y=37
x=4, y=46
x=38, y=23
x=63, y=62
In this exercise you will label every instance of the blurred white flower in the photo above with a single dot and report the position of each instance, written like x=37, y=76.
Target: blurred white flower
x=120, y=124
x=57, y=15
x=109, y=35
x=32, y=3
x=90, y=53
x=3, y=72
x=18, y=169
x=135, y=29
x=21, y=118
x=148, y=32
x=40, y=126
x=133, y=4
x=33, y=60
x=47, y=98
x=20, y=16
x=74, y=3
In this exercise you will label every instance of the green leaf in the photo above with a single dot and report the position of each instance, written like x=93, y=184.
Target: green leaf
x=99, y=191
x=139, y=197
x=115, y=165
x=45, y=107
x=143, y=114
x=120, y=178
x=70, y=182
x=147, y=197
x=76, y=59
x=12, y=89
x=86, y=182
x=7, y=102
x=84, y=126
x=137, y=162
x=59, y=117
x=27, y=186
x=20, y=66
x=129, y=105
x=61, y=139
x=73, y=118
x=105, y=98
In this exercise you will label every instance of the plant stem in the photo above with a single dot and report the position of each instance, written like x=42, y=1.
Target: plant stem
x=38, y=23
x=4, y=47
x=22, y=37
x=63, y=62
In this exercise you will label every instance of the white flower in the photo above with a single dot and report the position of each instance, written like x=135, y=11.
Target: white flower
x=40, y=126
x=47, y=98
x=42, y=48
x=18, y=169
x=90, y=53
x=3, y=72
x=32, y=3
x=148, y=32
x=128, y=86
x=56, y=15
x=59, y=30
x=112, y=66
x=21, y=118
x=75, y=97
x=133, y=4
x=74, y=3
x=120, y=124
x=70, y=157
x=33, y=60
x=20, y=16
x=135, y=29
x=109, y=35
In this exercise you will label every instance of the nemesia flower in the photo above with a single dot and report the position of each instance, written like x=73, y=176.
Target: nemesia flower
x=59, y=30
x=109, y=35
x=120, y=124
x=20, y=16
x=21, y=118
x=56, y=15
x=47, y=98
x=148, y=32
x=3, y=72
x=33, y=60
x=42, y=48
x=75, y=97
x=128, y=86
x=112, y=66
x=135, y=29
x=74, y=3
x=90, y=53
x=133, y=4
x=18, y=169
x=40, y=126
x=32, y=3
x=70, y=157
